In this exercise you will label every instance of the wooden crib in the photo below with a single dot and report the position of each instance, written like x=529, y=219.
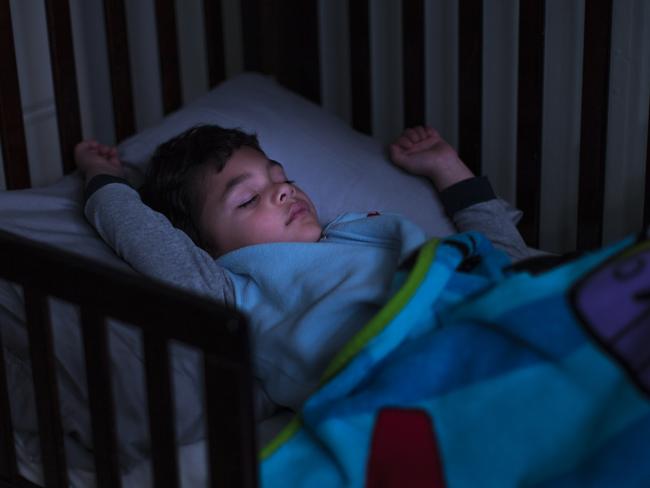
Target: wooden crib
x=279, y=37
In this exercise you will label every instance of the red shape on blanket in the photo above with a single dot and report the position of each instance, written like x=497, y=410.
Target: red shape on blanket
x=404, y=451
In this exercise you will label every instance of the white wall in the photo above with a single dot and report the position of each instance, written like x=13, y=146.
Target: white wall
x=629, y=91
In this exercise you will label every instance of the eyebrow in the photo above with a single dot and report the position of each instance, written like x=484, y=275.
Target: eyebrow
x=237, y=180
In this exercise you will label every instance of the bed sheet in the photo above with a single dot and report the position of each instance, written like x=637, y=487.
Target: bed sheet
x=191, y=461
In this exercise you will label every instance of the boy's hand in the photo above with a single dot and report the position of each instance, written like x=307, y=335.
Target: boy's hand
x=421, y=151
x=93, y=158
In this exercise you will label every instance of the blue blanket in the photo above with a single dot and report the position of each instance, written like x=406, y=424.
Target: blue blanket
x=473, y=375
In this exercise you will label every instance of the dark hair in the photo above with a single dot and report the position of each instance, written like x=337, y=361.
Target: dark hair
x=171, y=185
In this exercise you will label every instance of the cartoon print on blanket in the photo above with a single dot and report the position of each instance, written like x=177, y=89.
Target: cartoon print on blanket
x=613, y=302
x=480, y=376
x=404, y=451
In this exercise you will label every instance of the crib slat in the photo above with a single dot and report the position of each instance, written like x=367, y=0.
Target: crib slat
x=251, y=35
x=64, y=78
x=413, y=62
x=161, y=414
x=646, y=205
x=8, y=466
x=215, y=47
x=120, y=69
x=229, y=406
x=45, y=388
x=168, y=55
x=297, y=55
x=101, y=399
x=359, y=28
x=470, y=82
x=12, y=129
x=594, y=114
x=260, y=38
x=530, y=102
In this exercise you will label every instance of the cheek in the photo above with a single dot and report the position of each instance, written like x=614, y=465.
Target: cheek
x=224, y=231
x=255, y=228
x=305, y=197
x=266, y=225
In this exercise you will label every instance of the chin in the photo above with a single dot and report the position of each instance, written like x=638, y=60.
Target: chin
x=315, y=235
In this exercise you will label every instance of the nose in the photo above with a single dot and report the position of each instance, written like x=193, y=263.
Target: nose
x=283, y=191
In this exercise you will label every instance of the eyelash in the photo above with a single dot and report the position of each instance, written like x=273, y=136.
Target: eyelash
x=249, y=202
x=254, y=198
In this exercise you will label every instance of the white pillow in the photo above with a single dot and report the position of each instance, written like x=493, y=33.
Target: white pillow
x=340, y=169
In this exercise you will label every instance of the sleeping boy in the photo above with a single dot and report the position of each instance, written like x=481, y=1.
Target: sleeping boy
x=217, y=217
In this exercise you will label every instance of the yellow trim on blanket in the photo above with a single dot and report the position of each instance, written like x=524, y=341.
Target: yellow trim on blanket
x=372, y=328
x=386, y=314
x=637, y=248
x=283, y=436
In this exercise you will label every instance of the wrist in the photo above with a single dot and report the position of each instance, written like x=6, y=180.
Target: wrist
x=445, y=175
x=104, y=170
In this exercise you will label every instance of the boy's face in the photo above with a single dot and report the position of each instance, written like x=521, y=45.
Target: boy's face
x=251, y=202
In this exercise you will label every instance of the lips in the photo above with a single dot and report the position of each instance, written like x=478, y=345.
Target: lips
x=297, y=209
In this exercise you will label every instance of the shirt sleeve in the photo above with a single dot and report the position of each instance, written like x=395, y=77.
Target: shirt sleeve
x=466, y=193
x=472, y=205
x=149, y=243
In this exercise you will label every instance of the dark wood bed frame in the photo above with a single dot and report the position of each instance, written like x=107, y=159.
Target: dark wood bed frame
x=163, y=314
x=276, y=33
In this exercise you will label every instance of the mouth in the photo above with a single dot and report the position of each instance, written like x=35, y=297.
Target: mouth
x=296, y=210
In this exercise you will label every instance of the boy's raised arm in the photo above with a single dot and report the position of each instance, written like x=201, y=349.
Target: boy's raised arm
x=469, y=201
x=142, y=237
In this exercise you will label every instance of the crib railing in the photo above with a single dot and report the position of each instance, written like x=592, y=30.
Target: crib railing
x=162, y=314
x=280, y=37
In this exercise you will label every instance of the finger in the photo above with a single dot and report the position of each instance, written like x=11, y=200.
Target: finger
x=398, y=153
x=84, y=146
x=395, y=152
x=405, y=142
x=412, y=135
x=114, y=157
x=105, y=150
x=422, y=133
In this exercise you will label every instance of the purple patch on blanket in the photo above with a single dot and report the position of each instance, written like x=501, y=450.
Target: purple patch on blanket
x=613, y=303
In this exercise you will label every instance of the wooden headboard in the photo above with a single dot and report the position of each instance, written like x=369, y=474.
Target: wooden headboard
x=281, y=37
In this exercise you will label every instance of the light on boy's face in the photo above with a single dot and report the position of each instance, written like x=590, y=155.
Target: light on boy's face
x=250, y=201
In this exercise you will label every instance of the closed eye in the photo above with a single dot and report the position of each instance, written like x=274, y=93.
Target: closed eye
x=249, y=202
x=254, y=198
